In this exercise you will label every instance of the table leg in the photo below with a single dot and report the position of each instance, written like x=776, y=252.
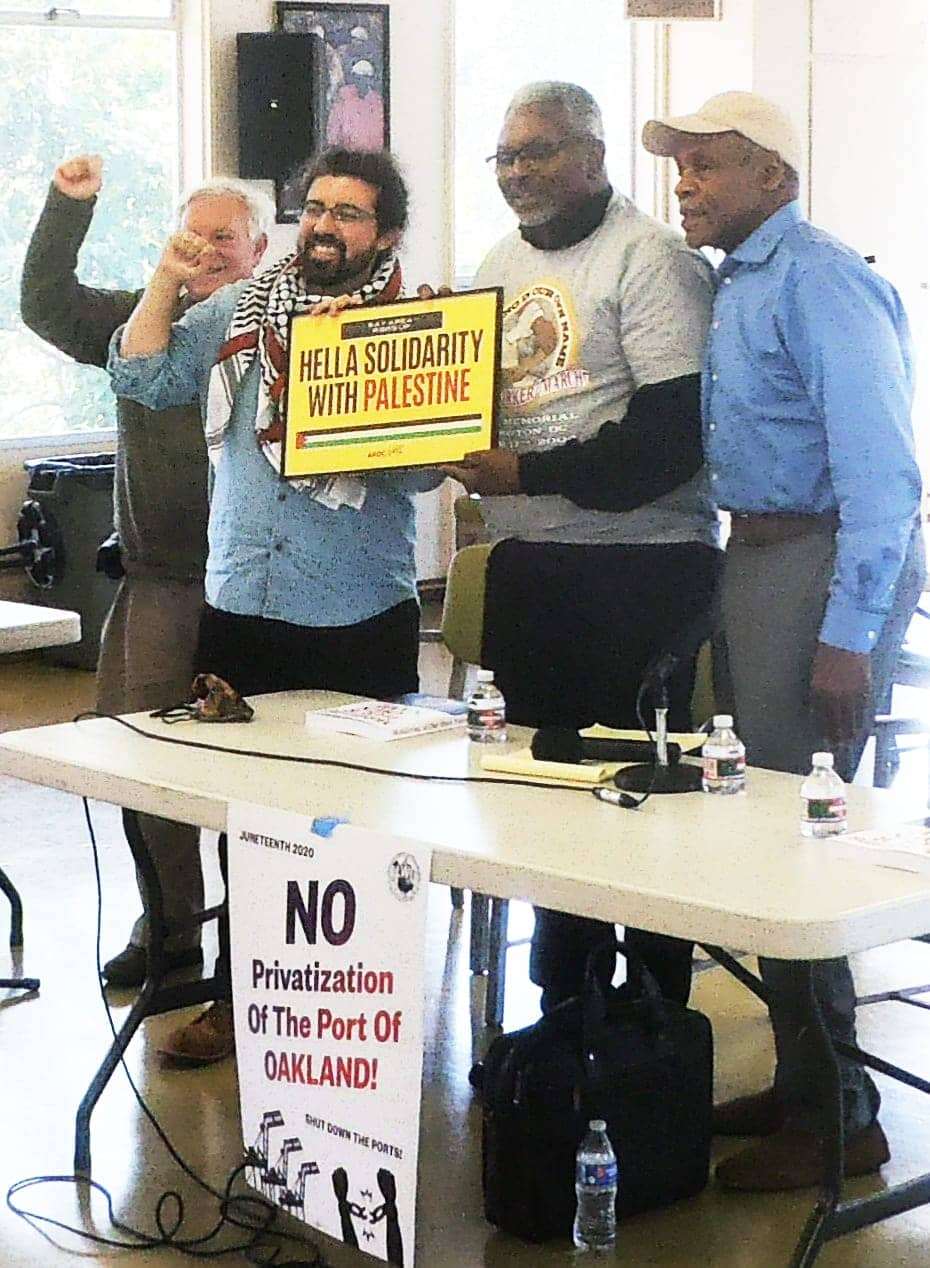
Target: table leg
x=16, y=936
x=823, y=1066
x=832, y=1218
x=139, y=1011
x=153, y=998
x=497, y=963
x=479, y=933
x=735, y=969
x=16, y=909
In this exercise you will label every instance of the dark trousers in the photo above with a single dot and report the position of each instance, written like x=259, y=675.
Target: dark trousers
x=375, y=658
x=569, y=631
x=772, y=601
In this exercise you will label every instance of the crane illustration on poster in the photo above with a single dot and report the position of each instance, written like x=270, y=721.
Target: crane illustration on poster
x=356, y=95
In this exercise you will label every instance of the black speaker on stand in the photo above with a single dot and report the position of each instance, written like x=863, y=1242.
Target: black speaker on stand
x=281, y=83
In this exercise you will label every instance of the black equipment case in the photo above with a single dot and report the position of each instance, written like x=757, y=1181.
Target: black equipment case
x=644, y=1065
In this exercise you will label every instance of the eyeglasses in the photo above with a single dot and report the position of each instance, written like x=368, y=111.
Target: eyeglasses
x=535, y=153
x=342, y=213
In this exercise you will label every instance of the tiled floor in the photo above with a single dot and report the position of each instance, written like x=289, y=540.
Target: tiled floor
x=51, y=1043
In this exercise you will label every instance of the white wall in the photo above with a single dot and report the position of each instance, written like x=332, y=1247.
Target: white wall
x=854, y=76
x=701, y=58
x=869, y=155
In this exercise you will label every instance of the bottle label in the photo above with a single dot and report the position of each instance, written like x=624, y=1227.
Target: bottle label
x=724, y=767
x=597, y=1175
x=820, y=809
x=490, y=718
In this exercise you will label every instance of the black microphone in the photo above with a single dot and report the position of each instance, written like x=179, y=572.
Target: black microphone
x=562, y=744
x=663, y=775
x=685, y=644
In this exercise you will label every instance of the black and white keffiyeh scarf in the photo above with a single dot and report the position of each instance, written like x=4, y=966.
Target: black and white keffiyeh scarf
x=259, y=326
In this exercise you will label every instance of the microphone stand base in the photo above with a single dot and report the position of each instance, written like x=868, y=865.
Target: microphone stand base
x=679, y=778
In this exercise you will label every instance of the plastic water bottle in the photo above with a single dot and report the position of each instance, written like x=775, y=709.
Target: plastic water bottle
x=823, y=800
x=487, y=712
x=724, y=758
x=596, y=1190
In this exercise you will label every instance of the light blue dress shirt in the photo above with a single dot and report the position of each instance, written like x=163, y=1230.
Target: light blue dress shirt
x=806, y=398
x=274, y=551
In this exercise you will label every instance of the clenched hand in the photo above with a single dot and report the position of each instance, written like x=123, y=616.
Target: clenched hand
x=80, y=177
x=186, y=256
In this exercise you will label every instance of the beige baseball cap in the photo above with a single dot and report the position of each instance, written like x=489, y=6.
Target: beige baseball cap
x=747, y=113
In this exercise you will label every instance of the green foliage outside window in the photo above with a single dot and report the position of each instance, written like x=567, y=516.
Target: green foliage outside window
x=66, y=91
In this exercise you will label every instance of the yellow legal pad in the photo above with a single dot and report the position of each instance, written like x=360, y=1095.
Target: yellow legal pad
x=409, y=384
x=523, y=763
x=687, y=739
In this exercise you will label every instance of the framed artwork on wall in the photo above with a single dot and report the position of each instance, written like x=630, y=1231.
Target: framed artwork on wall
x=356, y=96
x=673, y=10
x=356, y=56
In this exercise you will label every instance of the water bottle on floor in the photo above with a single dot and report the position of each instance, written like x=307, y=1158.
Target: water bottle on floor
x=823, y=800
x=596, y=1188
x=724, y=758
x=487, y=713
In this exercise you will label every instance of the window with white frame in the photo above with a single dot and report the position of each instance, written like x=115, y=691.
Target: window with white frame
x=500, y=47
x=98, y=76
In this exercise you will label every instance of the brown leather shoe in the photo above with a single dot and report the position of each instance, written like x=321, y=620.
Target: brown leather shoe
x=793, y=1159
x=206, y=1039
x=758, y=1115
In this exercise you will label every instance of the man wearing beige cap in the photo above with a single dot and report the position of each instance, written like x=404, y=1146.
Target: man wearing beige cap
x=806, y=398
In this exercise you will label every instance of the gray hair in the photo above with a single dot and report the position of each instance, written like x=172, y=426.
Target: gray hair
x=576, y=102
x=259, y=206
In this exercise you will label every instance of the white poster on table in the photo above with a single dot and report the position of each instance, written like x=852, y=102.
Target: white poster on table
x=327, y=926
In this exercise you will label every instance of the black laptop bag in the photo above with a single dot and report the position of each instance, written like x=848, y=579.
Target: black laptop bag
x=643, y=1064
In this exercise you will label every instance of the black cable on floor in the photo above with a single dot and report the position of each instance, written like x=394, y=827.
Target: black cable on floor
x=250, y=1213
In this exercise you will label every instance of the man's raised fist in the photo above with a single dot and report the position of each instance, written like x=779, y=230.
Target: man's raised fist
x=186, y=256
x=80, y=177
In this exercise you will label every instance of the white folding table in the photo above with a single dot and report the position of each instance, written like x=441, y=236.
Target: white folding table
x=25, y=627
x=723, y=871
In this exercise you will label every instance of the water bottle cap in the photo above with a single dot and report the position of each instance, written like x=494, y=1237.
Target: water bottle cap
x=722, y=720
x=485, y=675
x=823, y=759
x=597, y=1125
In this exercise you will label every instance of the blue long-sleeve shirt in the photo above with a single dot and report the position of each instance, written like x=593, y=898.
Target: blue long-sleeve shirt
x=274, y=551
x=806, y=400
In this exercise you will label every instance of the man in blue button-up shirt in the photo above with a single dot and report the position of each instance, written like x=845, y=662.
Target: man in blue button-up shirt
x=311, y=583
x=806, y=397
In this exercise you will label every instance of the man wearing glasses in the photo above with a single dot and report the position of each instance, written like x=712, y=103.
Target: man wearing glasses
x=605, y=538
x=310, y=583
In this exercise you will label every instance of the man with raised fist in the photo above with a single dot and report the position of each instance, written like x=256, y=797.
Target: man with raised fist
x=159, y=496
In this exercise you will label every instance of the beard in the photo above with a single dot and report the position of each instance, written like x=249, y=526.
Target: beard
x=336, y=266
x=531, y=206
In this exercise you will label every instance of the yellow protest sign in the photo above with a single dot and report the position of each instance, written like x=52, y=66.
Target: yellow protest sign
x=408, y=384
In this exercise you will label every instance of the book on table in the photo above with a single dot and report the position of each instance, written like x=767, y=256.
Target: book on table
x=382, y=720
